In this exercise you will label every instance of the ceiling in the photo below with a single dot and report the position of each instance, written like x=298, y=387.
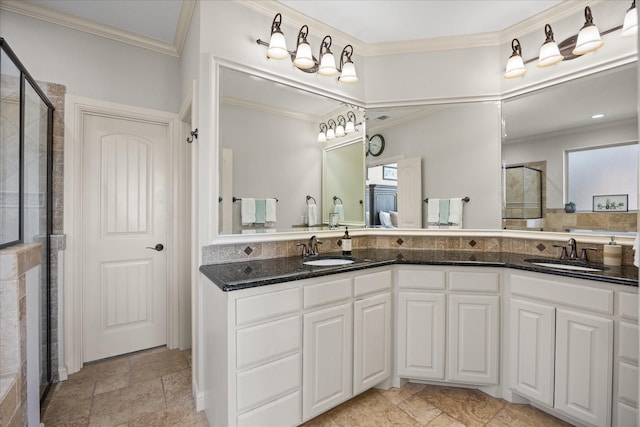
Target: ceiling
x=370, y=21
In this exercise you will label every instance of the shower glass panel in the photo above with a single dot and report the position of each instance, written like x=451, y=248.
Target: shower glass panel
x=10, y=206
x=523, y=193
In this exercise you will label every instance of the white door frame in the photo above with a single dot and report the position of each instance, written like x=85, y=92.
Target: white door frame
x=71, y=312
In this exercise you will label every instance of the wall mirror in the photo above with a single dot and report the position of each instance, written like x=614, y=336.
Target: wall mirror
x=543, y=128
x=457, y=146
x=269, y=149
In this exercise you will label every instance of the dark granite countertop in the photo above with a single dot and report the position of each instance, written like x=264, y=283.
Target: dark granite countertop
x=248, y=274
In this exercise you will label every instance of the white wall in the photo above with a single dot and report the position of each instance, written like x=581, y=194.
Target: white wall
x=92, y=66
x=551, y=148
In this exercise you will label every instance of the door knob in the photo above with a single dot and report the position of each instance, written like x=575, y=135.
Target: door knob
x=159, y=247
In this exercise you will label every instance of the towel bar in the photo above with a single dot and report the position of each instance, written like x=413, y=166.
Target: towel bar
x=337, y=198
x=466, y=199
x=237, y=199
x=311, y=198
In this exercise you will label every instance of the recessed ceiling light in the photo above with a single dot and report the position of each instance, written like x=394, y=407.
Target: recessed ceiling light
x=597, y=116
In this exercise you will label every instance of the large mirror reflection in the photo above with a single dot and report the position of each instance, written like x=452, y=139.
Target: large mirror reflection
x=570, y=155
x=271, y=163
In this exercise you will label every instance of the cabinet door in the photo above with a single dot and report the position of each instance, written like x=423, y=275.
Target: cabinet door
x=421, y=335
x=327, y=359
x=584, y=347
x=372, y=341
x=531, y=350
x=474, y=340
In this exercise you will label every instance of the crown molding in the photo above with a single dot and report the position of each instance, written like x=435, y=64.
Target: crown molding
x=228, y=100
x=49, y=15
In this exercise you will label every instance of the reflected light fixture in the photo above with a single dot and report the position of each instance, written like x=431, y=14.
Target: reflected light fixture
x=630, y=25
x=515, y=64
x=589, y=37
x=277, y=44
x=549, y=52
x=351, y=122
x=331, y=131
x=340, y=128
x=322, y=135
x=303, y=58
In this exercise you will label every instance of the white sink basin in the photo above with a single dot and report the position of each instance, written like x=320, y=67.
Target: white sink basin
x=326, y=262
x=566, y=266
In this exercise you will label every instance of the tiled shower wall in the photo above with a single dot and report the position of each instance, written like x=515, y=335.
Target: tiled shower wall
x=248, y=251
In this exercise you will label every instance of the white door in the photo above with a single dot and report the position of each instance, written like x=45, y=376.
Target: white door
x=327, y=359
x=421, y=335
x=474, y=339
x=410, y=193
x=584, y=351
x=372, y=341
x=123, y=215
x=532, y=349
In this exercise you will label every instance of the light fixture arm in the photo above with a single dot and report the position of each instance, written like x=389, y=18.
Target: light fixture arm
x=302, y=35
x=548, y=32
x=346, y=54
x=341, y=120
x=332, y=124
x=275, y=25
x=323, y=127
x=588, y=17
x=516, y=49
x=351, y=116
x=325, y=46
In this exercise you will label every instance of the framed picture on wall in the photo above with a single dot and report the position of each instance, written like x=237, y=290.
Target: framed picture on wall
x=389, y=173
x=611, y=203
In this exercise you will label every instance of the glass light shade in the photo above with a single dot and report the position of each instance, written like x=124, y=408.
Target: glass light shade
x=630, y=25
x=328, y=65
x=331, y=134
x=322, y=137
x=350, y=127
x=304, y=59
x=340, y=131
x=277, y=46
x=515, y=67
x=348, y=74
x=549, y=55
x=588, y=40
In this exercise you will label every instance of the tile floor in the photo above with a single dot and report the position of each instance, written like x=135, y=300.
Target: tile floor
x=153, y=388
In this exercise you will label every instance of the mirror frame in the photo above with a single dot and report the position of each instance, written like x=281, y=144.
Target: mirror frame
x=217, y=238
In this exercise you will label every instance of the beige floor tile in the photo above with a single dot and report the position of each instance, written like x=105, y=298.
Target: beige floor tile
x=185, y=415
x=113, y=376
x=66, y=413
x=370, y=409
x=156, y=364
x=128, y=403
x=177, y=387
x=469, y=406
x=323, y=420
x=420, y=410
x=397, y=395
x=444, y=420
x=514, y=415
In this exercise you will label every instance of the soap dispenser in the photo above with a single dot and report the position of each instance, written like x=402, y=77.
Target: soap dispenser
x=612, y=254
x=346, y=242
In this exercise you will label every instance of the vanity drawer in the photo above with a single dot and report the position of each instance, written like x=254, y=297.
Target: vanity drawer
x=327, y=293
x=421, y=279
x=286, y=411
x=474, y=281
x=268, y=341
x=628, y=305
x=628, y=382
x=374, y=282
x=628, y=342
x=265, y=383
x=262, y=307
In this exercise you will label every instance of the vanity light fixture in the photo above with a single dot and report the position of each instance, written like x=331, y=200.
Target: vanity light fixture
x=630, y=25
x=589, y=37
x=331, y=131
x=303, y=58
x=322, y=135
x=351, y=122
x=515, y=64
x=340, y=128
x=549, y=52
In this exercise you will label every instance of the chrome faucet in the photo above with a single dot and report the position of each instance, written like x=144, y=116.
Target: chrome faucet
x=572, y=244
x=312, y=246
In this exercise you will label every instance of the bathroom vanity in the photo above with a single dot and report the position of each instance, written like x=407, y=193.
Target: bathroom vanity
x=285, y=342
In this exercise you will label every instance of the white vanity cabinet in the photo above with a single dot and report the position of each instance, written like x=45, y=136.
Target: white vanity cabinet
x=625, y=384
x=561, y=352
x=448, y=326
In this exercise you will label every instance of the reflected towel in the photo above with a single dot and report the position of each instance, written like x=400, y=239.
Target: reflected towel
x=260, y=211
x=433, y=211
x=636, y=248
x=444, y=212
x=248, y=211
x=312, y=214
x=455, y=212
x=270, y=210
x=339, y=210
